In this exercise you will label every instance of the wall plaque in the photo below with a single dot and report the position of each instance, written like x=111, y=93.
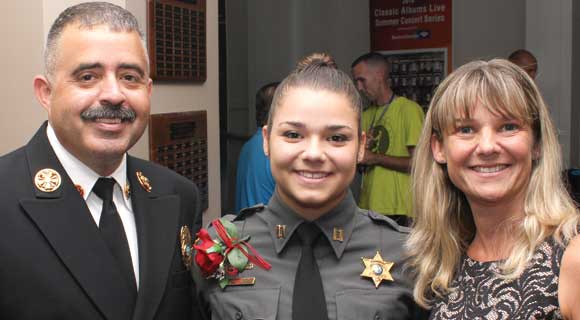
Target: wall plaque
x=178, y=141
x=177, y=40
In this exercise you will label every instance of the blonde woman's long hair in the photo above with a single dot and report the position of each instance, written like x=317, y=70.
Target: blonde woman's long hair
x=444, y=224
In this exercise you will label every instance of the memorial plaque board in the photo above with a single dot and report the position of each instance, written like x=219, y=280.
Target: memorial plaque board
x=178, y=141
x=177, y=40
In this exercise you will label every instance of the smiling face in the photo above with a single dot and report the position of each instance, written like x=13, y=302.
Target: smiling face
x=488, y=157
x=97, y=69
x=313, y=148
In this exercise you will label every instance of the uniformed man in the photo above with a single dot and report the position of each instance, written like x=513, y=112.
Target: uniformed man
x=324, y=257
x=86, y=230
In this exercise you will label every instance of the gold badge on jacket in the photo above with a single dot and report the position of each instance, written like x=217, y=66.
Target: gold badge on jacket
x=186, y=247
x=377, y=269
x=47, y=180
x=338, y=234
x=248, y=281
x=127, y=190
x=280, y=231
x=143, y=181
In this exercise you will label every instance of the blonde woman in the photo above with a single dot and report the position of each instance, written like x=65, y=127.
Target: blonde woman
x=496, y=232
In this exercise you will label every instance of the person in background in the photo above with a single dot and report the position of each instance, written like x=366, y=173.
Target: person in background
x=321, y=256
x=525, y=60
x=392, y=125
x=86, y=230
x=254, y=181
x=496, y=233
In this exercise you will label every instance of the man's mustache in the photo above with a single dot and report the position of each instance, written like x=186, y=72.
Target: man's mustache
x=109, y=112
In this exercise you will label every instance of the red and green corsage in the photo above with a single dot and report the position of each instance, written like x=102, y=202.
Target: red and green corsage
x=225, y=257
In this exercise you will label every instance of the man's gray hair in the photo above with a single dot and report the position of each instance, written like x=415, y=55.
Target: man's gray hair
x=88, y=15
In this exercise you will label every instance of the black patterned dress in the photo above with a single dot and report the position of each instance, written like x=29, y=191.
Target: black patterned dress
x=480, y=294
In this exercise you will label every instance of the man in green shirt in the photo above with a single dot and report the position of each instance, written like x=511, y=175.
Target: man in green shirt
x=393, y=125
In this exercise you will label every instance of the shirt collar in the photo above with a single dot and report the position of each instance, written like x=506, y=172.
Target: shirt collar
x=337, y=225
x=82, y=176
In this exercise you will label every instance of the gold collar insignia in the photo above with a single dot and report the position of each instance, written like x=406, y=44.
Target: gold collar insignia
x=47, y=180
x=143, y=181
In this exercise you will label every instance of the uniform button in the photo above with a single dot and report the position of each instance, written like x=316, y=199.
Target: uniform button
x=239, y=315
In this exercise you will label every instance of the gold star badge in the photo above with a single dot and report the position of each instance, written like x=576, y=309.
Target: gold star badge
x=377, y=269
x=47, y=180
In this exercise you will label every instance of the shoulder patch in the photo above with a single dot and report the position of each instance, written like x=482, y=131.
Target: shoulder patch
x=246, y=212
x=379, y=218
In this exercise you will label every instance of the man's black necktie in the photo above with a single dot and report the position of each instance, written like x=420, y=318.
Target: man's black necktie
x=308, y=300
x=112, y=230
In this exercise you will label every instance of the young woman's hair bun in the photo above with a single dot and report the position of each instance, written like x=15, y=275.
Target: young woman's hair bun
x=316, y=60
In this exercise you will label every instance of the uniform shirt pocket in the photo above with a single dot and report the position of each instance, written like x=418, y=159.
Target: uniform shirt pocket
x=244, y=304
x=362, y=304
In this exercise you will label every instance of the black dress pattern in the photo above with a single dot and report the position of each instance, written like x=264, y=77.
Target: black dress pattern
x=480, y=294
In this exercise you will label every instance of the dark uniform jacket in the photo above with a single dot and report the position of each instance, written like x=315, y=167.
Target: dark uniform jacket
x=53, y=261
x=339, y=257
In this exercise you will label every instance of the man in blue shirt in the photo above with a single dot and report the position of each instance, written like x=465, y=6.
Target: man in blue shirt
x=254, y=181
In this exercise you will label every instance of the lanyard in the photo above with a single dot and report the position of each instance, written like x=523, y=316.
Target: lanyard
x=383, y=112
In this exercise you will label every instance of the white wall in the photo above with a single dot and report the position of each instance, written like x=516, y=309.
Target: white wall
x=21, y=60
x=487, y=29
x=282, y=32
x=266, y=38
x=549, y=38
x=575, y=85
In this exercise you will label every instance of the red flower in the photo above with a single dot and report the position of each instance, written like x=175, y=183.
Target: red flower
x=208, y=262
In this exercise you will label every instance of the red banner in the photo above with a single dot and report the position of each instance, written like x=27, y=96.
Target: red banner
x=410, y=24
